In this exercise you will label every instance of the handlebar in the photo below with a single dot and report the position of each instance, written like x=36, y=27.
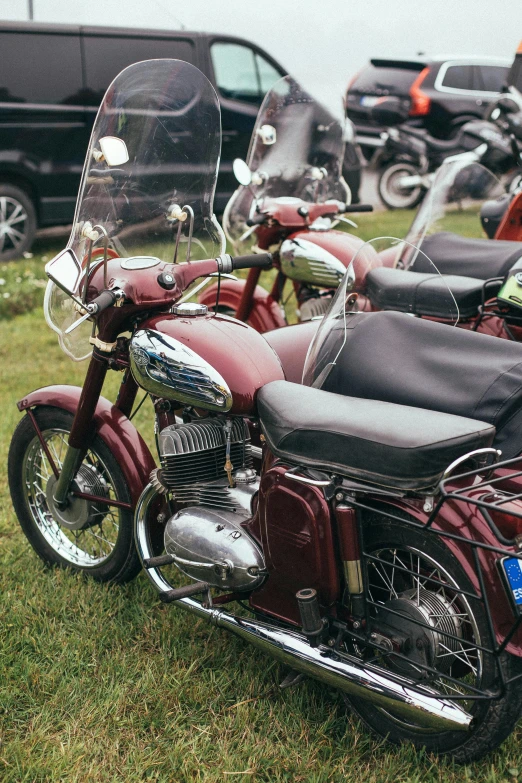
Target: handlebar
x=257, y=220
x=356, y=208
x=226, y=263
x=103, y=301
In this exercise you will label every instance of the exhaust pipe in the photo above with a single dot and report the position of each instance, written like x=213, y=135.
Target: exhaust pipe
x=349, y=674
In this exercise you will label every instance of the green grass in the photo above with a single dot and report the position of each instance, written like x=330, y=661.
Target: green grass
x=103, y=684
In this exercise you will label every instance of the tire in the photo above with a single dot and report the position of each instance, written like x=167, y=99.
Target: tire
x=18, y=219
x=103, y=547
x=393, y=196
x=493, y=720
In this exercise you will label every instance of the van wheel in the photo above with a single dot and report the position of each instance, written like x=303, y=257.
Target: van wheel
x=17, y=222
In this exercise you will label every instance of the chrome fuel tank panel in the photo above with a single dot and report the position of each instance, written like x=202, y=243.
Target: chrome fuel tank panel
x=307, y=262
x=168, y=368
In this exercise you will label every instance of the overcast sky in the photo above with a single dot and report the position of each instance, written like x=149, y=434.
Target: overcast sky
x=321, y=42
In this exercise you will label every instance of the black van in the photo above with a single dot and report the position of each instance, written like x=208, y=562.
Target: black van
x=52, y=80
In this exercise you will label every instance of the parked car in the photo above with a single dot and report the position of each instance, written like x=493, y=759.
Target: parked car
x=52, y=79
x=440, y=94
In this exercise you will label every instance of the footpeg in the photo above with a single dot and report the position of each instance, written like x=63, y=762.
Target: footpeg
x=157, y=562
x=183, y=592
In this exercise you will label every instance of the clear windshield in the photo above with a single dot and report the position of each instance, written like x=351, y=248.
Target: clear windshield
x=296, y=152
x=451, y=207
x=149, y=175
x=330, y=338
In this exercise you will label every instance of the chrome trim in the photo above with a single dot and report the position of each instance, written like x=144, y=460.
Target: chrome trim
x=344, y=672
x=451, y=467
x=309, y=263
x=257, y=452
x=167, y=368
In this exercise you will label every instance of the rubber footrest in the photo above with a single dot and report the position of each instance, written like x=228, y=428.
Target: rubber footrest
x=156, y=562
x=183, y=592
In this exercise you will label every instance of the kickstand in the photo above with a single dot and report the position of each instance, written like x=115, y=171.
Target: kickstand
x=292, y=678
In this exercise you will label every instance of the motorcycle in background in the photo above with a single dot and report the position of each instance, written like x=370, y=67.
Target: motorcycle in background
x=291, y=196
x=410, y=155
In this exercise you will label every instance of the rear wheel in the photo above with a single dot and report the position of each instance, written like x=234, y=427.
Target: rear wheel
x=86, y=536
x=17, y=222
x=393, y=194
x=411, y=578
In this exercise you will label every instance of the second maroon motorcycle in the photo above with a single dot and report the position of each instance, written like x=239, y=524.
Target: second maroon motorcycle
x=377, y=551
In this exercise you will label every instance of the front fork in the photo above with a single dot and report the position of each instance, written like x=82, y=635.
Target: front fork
x=81, y=429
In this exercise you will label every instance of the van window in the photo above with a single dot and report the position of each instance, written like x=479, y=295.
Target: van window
x=459, y=77
x=492, y=77
x=268, y=75
x=236, y=72
x=106, y=56
x=40, y=68
x=242, y=74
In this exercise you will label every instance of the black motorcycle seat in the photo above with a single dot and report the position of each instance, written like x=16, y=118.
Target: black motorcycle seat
x=424, y=294
x=456, y=255
x=393, y=357
x=393, y=446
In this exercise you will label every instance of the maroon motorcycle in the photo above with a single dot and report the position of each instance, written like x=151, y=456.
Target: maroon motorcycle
x=376, y=549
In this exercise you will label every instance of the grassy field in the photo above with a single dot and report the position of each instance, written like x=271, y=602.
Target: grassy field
x=103, y=684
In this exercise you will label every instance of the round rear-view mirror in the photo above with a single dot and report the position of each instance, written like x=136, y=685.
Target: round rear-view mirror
x=241, y=172
x=114, y=150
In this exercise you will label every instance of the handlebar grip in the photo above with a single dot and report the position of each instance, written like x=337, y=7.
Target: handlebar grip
x=358, y=208
x=257, y=220
x=259, y=260
x=103, y=301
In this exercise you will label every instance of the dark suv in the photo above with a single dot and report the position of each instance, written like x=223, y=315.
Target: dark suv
x=440, y=94
x=52, y=79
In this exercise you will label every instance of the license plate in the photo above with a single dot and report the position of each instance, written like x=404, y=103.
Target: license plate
x=369, y=101
x=513, y=572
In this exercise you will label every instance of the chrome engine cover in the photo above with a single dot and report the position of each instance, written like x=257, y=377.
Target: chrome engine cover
x=308, y=263
x=211, y=546
x=167, y=368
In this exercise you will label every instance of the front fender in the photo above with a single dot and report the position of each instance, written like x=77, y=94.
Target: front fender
x=114, y=428
x=265, y=313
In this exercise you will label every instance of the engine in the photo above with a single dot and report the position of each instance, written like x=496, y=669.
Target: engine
x=205, y=536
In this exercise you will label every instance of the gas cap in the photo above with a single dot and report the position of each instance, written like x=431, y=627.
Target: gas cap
x=190, y=309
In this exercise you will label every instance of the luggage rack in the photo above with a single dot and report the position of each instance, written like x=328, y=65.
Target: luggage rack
x=476, y=488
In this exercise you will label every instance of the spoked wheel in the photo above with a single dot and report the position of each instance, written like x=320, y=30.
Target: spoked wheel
x=393, y=193
x=412, y=580
x=85, y=535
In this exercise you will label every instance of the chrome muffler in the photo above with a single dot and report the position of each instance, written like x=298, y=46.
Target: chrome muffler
x=397, y=694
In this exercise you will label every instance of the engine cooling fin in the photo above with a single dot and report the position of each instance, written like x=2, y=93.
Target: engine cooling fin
x=193, y=455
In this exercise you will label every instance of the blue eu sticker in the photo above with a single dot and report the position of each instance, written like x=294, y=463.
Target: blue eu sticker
x=513, y=571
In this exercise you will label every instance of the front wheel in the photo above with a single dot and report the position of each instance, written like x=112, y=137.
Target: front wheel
x=392, y=193
x=420, y=594
x=95, y=538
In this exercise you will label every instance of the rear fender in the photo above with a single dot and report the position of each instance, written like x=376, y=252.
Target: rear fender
x=114, y=428
x=265, y=313
x=464, y=519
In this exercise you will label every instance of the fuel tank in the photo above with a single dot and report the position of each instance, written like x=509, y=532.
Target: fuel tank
x=342, y=246
x=241, y=359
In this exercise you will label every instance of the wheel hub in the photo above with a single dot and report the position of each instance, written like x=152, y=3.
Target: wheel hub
x=422, y=627
x=79, y=513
